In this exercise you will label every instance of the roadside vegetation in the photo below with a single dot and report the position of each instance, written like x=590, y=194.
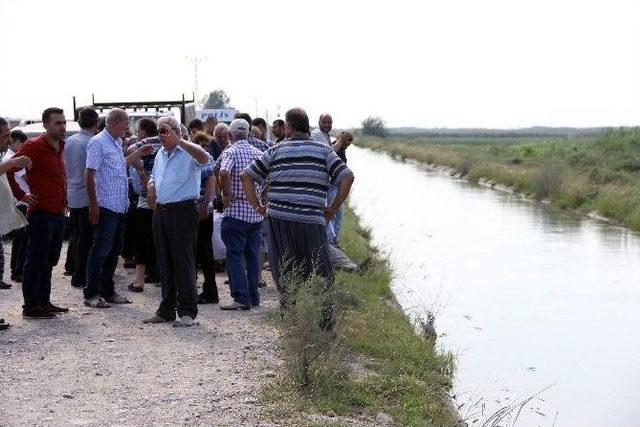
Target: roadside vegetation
x=372, y=361
x=586, y=173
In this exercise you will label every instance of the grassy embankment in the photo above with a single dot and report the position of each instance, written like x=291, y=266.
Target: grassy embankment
x=585, y=173
x=373, y=361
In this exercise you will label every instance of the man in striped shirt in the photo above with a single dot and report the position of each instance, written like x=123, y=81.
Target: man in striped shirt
x=298, y=171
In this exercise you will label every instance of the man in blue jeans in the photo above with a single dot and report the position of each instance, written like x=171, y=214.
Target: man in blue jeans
x=241, y=224
x=108, y=193
x=46, y=202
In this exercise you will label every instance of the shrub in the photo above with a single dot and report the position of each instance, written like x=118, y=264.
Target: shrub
x=549, y=180
x=312, y=309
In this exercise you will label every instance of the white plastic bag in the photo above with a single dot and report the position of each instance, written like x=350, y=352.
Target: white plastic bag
x=219, y=250
x=10, y=217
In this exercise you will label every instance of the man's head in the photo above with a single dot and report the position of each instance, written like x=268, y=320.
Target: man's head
x=202, y=139
x=171, y=123
x=278, y=128
x=194, y=127
x=257, y=132
x=18, y=138
x=117, y=123
x=296, y=121
x=210, y=125
x=5, y=134
x=89, y=120
x=244, y=116
x=239, y=129
x=221, y=134
x=55, y=125
x=146, y=128
x=261, y=123
x=325, y=123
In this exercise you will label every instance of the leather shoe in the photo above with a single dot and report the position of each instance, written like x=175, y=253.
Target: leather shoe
x=37, y=313
x=205, y=299
x=55, y=309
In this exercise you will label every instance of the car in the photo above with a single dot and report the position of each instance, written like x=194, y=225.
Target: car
x=34, y=129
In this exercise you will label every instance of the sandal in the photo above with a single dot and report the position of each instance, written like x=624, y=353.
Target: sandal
x=96, y=302
x=135, y=288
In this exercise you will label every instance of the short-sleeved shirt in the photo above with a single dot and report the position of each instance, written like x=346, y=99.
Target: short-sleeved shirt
x=205, y=173
x=257, y=143
x=177, y=175
x=75, y=160
x=235, y=160
x=215, y=149
x=105, y=156
x=320, y=136
x=47, y=179
x=298, y=173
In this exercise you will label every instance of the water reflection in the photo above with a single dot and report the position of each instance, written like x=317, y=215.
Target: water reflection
x=526, y=295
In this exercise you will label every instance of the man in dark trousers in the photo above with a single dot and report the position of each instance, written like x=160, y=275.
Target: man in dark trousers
x=298, y=172
x=47, y=200
x=81, y=233
x=173, y=188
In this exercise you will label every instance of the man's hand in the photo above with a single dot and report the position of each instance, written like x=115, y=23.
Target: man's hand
x=151, y=195
x=344, y=140
x=168, y=135
x=145, y=150
x=329, y=212
x=139, y=167
x=94, y=214
x=203, y=211
x=30, y=199
x=22, y=162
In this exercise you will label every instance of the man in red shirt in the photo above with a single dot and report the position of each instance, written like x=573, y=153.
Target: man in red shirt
x=46, y=206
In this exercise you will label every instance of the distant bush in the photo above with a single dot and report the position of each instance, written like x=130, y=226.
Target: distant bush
x=619, y=139
x=374, y=126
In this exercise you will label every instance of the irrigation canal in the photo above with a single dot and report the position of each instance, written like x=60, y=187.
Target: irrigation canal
x=525, y=295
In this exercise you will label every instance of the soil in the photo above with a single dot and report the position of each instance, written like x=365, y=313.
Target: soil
x=104, y=367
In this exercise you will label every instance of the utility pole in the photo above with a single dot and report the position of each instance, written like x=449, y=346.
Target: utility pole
x=196, y=60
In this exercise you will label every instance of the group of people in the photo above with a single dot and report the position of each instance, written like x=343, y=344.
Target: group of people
x=151, y=197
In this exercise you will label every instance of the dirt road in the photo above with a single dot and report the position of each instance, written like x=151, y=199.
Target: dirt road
x=104, y=367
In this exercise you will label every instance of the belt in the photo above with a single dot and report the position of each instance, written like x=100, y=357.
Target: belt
x=163, y=207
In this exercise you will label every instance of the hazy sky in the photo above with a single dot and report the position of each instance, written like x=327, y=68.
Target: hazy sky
x=449, y=63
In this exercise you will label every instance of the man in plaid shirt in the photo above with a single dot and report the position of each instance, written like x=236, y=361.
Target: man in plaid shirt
x=241, y=223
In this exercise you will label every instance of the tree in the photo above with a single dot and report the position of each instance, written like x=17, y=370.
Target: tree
x=374, y=126
x=216, y=99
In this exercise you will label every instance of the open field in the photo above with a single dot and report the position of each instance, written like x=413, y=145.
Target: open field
x=586, y=173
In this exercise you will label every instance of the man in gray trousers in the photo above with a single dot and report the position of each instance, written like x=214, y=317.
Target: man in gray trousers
x=173, y=188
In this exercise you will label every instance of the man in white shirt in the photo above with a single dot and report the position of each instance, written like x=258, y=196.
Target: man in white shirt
x=340, y=145
x=19, y=241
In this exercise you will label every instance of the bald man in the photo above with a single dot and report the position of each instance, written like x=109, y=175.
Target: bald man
x=340, y=145
x=108, y=194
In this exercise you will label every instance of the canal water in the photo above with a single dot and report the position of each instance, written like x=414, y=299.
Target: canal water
x=529, y=298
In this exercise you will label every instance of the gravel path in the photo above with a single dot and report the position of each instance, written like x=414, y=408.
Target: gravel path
x=104, y=367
